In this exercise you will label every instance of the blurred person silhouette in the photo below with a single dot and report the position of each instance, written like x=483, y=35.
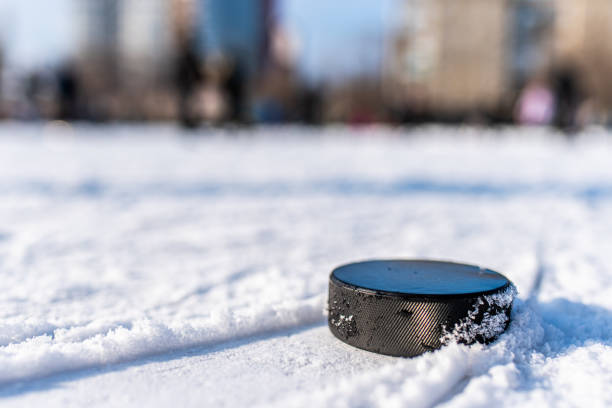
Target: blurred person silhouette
x=568, y=96
x=311, y=105
x=187, y=79
x=234, y=89
x=33, y=88
x=535, y=104
x=68, y=92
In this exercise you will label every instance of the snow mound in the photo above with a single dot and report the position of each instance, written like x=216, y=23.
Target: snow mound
x=64, y=350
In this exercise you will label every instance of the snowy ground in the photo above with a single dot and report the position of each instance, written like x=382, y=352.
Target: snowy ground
x=142, y=267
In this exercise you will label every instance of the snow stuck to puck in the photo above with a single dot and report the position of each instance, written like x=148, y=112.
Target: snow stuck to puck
x=408, y=307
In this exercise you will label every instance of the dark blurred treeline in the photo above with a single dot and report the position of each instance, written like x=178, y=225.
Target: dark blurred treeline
x=216, y=62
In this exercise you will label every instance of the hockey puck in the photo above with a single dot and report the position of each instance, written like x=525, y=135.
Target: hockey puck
x=408, y=307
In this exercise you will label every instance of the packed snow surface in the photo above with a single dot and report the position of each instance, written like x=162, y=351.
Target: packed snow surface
x=142, y=266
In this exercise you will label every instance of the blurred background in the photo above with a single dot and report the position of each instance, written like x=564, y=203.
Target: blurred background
x=219, y=62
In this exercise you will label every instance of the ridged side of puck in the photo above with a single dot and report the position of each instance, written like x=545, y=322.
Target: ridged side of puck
x=405, y=324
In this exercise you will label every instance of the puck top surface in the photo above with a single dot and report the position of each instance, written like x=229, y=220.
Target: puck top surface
x=420, y=277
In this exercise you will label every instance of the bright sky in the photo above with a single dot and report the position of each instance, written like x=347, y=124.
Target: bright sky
x=339, y=37
x=36, y=32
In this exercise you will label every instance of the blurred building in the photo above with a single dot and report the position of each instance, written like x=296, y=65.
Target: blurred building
x=134, y=35
x=144, y=37
x=98, y=22
x=237, y=29
x=581, y=33
x=125, y=57
x=128, y=50
x=529, y=43
x=184, y=16
x=457, y=56
x=448, y=55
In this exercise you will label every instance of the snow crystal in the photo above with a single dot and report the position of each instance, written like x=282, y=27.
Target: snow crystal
x=488, y=319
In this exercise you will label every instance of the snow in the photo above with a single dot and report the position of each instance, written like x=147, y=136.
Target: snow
x=140, y=265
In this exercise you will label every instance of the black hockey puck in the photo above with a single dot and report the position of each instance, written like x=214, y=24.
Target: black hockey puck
x=408, y=307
